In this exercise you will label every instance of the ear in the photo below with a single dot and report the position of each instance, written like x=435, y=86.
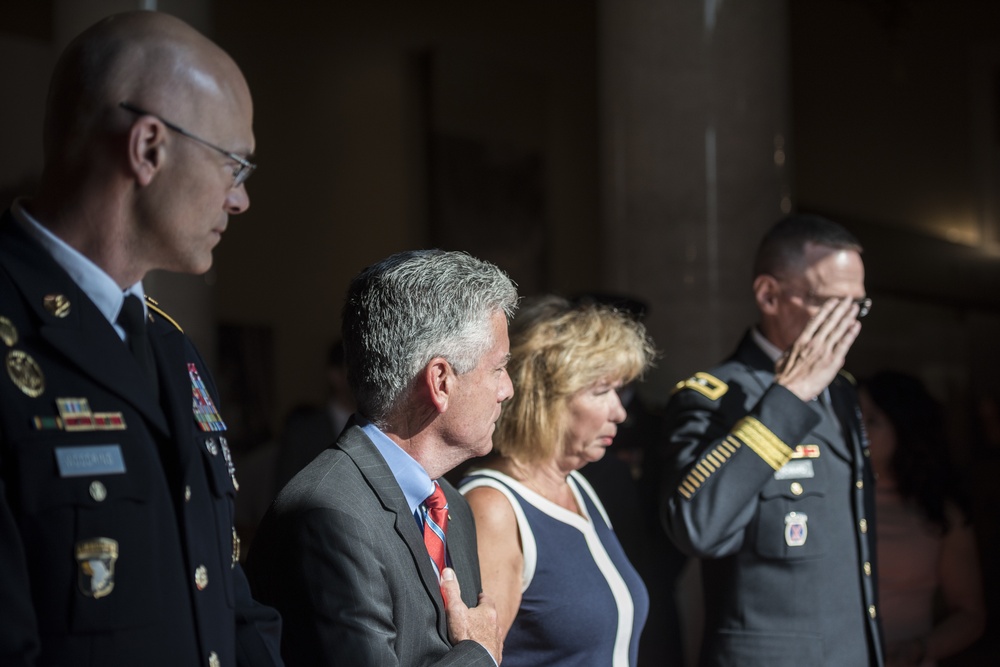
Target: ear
x=439, y=380
x=146, y=150
x=766, y=291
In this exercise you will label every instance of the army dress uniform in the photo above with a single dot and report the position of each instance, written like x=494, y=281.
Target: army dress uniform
x=776, y=496
x=117, y=544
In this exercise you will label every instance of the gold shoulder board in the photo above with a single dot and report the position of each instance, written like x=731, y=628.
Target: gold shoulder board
x=155, y=307
x=847, y=376
x=707, y=385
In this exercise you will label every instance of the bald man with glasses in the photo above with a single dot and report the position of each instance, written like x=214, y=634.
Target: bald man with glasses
x=117, y=487
x=768, y=480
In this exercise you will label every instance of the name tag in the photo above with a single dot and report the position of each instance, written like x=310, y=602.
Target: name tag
x=94, y=460
x=799, y=469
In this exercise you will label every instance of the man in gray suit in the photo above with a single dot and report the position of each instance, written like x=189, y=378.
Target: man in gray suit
x=341, y=553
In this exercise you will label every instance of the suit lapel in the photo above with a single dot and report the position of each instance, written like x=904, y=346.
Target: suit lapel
x=79, y=331
x=376, y=471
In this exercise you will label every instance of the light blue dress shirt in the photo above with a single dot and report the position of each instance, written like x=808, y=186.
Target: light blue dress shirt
x=90, y=278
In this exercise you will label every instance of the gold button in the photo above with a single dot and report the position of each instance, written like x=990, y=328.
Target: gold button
x=201, y=577
x=860, y=484
x=187, y=494
x=213, y=660
x=863, y=525
x=796, y=488
x=868, y=452
x=97, y=491
x=871, y=610
x=868, y=569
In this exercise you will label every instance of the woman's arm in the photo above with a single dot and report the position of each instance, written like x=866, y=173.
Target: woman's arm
x=500, y=559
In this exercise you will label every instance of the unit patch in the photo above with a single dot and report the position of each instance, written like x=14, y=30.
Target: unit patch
x=96, y=558
x=796, y=529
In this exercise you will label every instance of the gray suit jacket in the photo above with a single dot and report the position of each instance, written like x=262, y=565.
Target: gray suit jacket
x=340, y=555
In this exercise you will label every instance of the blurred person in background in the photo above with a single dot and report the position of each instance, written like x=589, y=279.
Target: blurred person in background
x=930, y=583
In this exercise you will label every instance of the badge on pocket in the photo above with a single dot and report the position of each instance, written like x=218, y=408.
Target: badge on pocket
x=796, y=529
x=96, y=558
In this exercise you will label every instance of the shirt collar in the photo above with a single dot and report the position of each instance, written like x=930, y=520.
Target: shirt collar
x=90, y=278
x=410, y=475
x=769, y=348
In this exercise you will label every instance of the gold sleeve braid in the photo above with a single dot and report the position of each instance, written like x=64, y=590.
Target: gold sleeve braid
x=759, y=438
x=748, y=431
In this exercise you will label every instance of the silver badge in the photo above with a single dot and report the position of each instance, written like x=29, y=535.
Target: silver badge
x=796, y=469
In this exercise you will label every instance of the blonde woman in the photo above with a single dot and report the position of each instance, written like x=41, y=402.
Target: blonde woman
x=565, y=592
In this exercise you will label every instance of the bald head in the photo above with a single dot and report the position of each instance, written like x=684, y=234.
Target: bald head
x=153, y=60
x=148, y=127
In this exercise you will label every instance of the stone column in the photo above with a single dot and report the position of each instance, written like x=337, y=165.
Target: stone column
x=695, y=123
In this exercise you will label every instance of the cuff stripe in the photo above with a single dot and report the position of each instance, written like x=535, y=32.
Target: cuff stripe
x=761, y=440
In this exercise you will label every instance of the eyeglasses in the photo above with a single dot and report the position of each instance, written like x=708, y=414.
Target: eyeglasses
x=864, y=303
x=242, y=172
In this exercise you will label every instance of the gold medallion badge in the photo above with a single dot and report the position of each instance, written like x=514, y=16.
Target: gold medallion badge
x=25, y=373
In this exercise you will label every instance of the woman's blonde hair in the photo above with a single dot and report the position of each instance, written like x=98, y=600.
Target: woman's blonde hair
x=558, y=348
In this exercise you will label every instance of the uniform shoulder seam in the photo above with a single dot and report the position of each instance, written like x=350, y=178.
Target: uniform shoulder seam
x=705, y=384
x=155, y=307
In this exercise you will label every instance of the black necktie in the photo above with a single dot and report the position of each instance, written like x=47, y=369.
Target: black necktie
x=132, y=319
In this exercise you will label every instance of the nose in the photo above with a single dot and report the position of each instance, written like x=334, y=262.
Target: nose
x=506, y=389
x=237, y=200
x=618, y=412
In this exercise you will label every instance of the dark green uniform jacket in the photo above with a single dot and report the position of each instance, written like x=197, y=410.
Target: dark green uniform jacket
x=776, y=497
x=117, y=544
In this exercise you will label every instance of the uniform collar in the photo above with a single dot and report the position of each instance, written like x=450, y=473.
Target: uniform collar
x=99, y=287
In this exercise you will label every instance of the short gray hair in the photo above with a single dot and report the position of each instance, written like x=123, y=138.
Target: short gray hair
x=411, y=307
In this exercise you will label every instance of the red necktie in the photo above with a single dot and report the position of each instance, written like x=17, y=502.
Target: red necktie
x=435, y=527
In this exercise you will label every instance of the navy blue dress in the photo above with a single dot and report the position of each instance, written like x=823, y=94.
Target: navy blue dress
x=582, y=604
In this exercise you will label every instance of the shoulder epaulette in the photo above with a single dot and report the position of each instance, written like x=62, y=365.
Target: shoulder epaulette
x=847, y=376
x=707, y=385
x=155, y=307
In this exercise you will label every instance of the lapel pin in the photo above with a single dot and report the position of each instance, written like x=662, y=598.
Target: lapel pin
x=57, y=304
x=8, y=334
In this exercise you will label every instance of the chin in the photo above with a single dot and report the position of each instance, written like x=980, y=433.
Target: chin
x=484, y=449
